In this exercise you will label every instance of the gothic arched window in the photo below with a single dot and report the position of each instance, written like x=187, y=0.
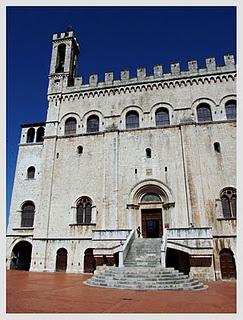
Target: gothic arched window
x=84, y=211
x=28, y=211
x=70, y=126
x=30, y=135
x=162, y=117
x=230, y=109
x=40, y=134
x=93, y=123
x=132, y=120
x=204, y=112
x=228, y=200
x=31, y=173
x=60, y=58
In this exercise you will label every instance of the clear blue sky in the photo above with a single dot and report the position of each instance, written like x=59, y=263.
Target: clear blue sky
x=111, y=39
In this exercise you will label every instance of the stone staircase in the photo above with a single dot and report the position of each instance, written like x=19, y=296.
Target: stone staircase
x=142, y=271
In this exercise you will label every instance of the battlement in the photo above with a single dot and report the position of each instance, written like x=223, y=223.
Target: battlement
x=67, y=34
x=193, y=70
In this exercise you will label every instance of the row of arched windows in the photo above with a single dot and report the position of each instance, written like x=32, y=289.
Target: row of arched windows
x=40, y=132
x=162, y=118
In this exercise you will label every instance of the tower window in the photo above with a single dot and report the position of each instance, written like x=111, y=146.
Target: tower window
x=31, y=173
x=162, y=117
x=148, y=153
x=84, y=211
x=30, y=135
x=204, y=113
x=132, y=120
x=228, y=200
x=40, y=134
x=60, y=58
x=230, y=109
x=27, y=218
x=80, y=149
x=217, y=146
x=70, y=126
x=93, y=123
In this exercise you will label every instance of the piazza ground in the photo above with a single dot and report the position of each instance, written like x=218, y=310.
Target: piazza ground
x=38, y=292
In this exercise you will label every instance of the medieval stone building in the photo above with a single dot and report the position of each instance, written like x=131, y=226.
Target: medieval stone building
x=155, y=151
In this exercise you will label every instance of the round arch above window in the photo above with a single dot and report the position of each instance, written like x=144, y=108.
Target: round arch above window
x=162, y=117
x=204, y=113
x=84, y=210
x=31, y=173
x=30, y=135
x=28, y=212
x=228, y=200
x=230, y=109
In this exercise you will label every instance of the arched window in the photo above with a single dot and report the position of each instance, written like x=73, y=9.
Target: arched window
x=30, y=135
x=70, y=126
x=132, y=120
x=28, y=211
x=79, y=149
x=60, y=58
x=162, y=117
x=204, y=113
x=230, y=109
x=216, y=146
x=31, y=173
x=40, y=134
x=148, y=153
x=228, y=200
x=84, y=207
x=151, y=197
x=93, y=123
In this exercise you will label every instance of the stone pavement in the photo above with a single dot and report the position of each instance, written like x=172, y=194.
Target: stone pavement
x=34, y=292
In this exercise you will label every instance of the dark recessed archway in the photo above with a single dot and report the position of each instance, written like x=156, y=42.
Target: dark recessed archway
x=178, y=260
x=61, y=260
x=21, y=256
x=227, y=264
x=89, y=261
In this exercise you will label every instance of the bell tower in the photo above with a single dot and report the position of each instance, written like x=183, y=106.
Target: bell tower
x=65, y=50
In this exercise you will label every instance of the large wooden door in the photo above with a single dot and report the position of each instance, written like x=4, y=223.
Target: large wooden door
x=61, y=260
x=152, y=223
x=89, y=261
x=227, y=265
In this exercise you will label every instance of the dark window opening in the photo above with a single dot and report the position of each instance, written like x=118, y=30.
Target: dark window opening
x=230, y=109
x=30, y=135
x=84, y=209
x=31, y=173
x=70, y=126
x=217, y=147
x=148, y=153
x=162, y=117
x=60, y=58
x=132, y=120
x=151, y=197
x=80, y=149
x=40, y=134
x=93, y=123
x=204, y=113
x=228, y=200
x=27, y=218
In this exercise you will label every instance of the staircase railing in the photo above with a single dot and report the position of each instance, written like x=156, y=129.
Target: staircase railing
x=163, y=249
x=124, y=248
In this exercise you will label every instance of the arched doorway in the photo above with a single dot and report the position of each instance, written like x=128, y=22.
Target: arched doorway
x=227, y=264
x=89, y=261
x=61, y=260
x=178, y=259
x=21, y=256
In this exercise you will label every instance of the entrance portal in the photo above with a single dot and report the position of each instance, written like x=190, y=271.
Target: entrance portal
x=227, y=264
x=89, y=261
x=61, y=260
x=152, y=223
x=21, y=256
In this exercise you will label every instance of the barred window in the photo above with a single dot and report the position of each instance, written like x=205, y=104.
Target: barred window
x=30, y=135
x=162, y=117
x=204, y=113
x=70, y=126
x=93, y=123
x=230, y=109
x=84, y=208
x=228, y=200
x=31, y=173
x=28, y=211
x=132, y=120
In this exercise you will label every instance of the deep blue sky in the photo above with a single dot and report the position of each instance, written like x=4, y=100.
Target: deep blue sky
x=111, y=39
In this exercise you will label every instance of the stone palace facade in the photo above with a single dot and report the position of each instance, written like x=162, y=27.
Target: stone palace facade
x=154, y=151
